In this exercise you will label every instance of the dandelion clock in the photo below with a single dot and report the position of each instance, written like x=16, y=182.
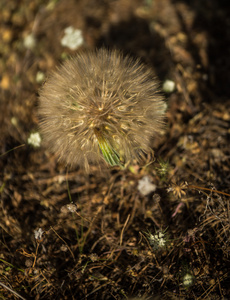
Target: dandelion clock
x=100, y=106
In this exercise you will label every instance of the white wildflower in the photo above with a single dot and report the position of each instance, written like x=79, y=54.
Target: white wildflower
x=64, y=248
x=40, y=77
x=169, y=86
x=188, y=280
x=14, y=121
x=29, y=41
x=69, y=208
x=73, y=38
x=38, y=234
x=158, y=241
x=72, y=207
x=94, y=257
x=34, y=139
x=145, y=186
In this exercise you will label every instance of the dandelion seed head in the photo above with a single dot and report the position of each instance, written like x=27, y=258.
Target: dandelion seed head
x=100, y=103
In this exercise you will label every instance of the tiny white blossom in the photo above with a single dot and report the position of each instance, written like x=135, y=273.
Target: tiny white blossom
x=38, y=234
x=29, y=41
x=14, y=121
x=40, y=77
x=73, y=38
x=158, y=241
x=63, y=248
x=169, y=86
x=72, y=207
x=170, y=189
x=34, y=139
x=145, y=186
x=69, y=208
x=188, y=280
x=161, y=239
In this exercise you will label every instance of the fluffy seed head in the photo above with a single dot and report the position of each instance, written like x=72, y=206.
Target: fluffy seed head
x=100, y=106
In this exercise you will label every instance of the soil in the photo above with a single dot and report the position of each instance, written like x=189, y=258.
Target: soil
x=65, y=234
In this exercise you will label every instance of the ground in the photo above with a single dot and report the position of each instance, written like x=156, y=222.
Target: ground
x=65, y=234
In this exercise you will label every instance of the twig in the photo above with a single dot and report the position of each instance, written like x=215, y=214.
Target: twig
x=207, y=189
x=12, y=149
x=63, y=242
x=122, y=232
x=13, y=292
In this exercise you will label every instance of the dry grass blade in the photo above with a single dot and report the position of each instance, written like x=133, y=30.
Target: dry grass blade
x=12, y=291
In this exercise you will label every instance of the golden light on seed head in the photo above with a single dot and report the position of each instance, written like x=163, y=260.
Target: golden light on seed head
x=100, y=106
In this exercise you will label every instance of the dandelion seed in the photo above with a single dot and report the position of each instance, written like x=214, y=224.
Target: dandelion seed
x=101, y=106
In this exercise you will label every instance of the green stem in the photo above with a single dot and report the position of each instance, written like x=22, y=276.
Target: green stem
x=111, y=156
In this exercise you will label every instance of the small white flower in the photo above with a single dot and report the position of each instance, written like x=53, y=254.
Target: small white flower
x=64, y=248
x=161, y=239
x=34, y=139
x=69, y=208
x=72, y=207
x=73, y=38
x=188, y=280
x=40, y=77
x=14, y=121
x=158, y=241
x=145, y=186
x=38, y=234
x=29, y=41
x=169, y=86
